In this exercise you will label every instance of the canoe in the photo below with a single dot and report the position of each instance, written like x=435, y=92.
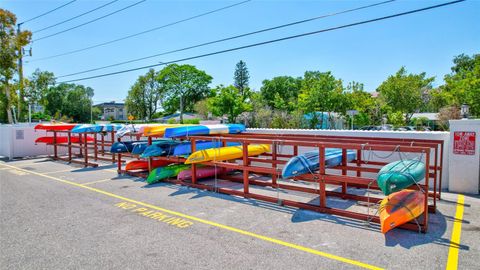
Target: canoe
x=60, y=139
x=203, y=172
x=226, y=153
x=158, y=130
x=203, y=130
x=164, y=148
x=131, y=129
x=55, y=126
x=400, y=174
x=400, y=207
x=87, y=128
x=111, y=127
x=143, y=164
x=140, y=146
x=161, y=173
x=309, y=162
x=186, y=148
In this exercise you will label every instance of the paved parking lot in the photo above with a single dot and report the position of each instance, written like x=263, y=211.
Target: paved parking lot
x=57, y=216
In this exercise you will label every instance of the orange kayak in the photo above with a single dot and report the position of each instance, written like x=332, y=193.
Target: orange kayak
x=143, y=164
x=401, y=207
x=55, y=126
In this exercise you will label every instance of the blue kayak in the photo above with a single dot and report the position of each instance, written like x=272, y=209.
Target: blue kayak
x=87, y=128
x=124, y=147
x=309, y=162
x=140, y=146
x=159, y=149
x=111, y=127
x=203, y=130
x=186, y=148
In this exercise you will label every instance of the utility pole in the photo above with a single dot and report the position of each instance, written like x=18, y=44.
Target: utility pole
x=20, y=76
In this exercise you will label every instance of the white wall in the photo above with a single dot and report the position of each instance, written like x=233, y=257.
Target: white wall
x=375, y=156
x=12, y=145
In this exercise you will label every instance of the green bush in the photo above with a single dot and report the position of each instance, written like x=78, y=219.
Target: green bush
x=171, y=121
x=192, y=121
x=41, y=116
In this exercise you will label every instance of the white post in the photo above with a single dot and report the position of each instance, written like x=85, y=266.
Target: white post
x=464, y=160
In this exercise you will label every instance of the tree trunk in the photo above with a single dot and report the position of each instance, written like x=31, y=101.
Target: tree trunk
x=181, y=109
x=9, y=103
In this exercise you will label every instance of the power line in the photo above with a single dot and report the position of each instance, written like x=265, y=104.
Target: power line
x=89, y=22
x=228, y=38
x=48, y=12
x=270, y=41
x=75, y=17
x=141, y=33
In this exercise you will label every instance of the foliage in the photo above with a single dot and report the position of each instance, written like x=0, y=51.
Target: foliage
x=462, y=85
x=281, y=93
x=171, y=121
x=145, y=95
x=447, y=113
x=404, y=92
x=194, y=121
x=357, y=99
x=38, y=85
x=11, y=42
x=228, y=102
x=77, y=103
x=40, y=116
x=184, y=85
x=54, y=98
x=201, y=108
x=241, y=79
x=396, y=118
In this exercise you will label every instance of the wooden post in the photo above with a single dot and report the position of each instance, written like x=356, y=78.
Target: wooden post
x=344, y=170
x=194, y=166
x=322, y=194
x=245, y=170
x=274, y=164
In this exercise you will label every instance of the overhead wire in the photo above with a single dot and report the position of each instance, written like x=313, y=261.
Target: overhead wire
x=141, y=33
x=226, y=39
x=269, y=41
x=75, y=17
x=91, y=21
x=48, y=12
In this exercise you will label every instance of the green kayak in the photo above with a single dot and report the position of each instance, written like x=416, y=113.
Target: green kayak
x=161, y=173
x=399, y=175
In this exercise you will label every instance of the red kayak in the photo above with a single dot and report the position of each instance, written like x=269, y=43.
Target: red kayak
x=60, y=139
x=55, y=126
x=143, y=164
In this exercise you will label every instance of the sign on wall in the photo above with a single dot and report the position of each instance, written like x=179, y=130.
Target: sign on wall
x=464, y=143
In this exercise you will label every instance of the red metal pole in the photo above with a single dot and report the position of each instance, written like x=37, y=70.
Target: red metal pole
x=321, y=173
x=344, y=170
x=274, y=164
x=245, y=170
x=149, y=158
x=95, y=147
x=113, y=141
x=86, y=148
x=69, y=134
x=119, y=164
x=427, y=174
x=55, y=145
x=194, y=166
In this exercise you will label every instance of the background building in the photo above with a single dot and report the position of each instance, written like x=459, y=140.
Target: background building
x=112, y=111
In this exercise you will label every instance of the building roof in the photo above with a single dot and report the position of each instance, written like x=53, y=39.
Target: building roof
x=429, y=116
x=111, y=104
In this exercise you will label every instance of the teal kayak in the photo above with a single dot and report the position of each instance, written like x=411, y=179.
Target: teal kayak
x=399, y=175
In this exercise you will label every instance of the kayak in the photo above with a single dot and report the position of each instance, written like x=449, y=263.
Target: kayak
x=309, y=162
x=226, y=153
x=400, y=207
x=143, y=164
x=140, y=146
x=203, y=130
x=161, y=173
x=123, y=147
x=186, y=148
x=60, y=139
x=400, y=174
x=111, y=127
x=158, y=130
x=55, y=126
x=131, y=129
x=203, y=172
x=164, y=148
x=87, y=128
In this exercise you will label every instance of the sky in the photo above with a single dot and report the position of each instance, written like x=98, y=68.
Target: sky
x=368, y=53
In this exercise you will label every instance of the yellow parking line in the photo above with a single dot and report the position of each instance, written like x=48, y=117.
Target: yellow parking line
x=94, y=182
x=452, y=262
x=215, y=224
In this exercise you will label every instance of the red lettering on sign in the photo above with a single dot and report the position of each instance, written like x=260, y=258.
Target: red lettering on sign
x=464, y=143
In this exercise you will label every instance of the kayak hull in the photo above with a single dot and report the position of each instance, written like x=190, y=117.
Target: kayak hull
x=60, y=139
x=186, y=148
x=226, y=153
x=143, y=164
x=399, y=175
x=161, y=173
x=203, y=172
x=203, y=130
x=159, y=149
x=59, y=126
x=309, y=162
x=400, y=207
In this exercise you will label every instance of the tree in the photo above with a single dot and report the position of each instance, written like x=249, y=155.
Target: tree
x=201, y=107
x=404, y=92
x=320, y=92
x=281, y=92
x=145, y=95
x=184, y=85
x=241, y=79
x=54, y=98
x=462, y=85
x=38, y=85
x=228, y=102
x=77, y=103
x=360, y=100
x=11, y=42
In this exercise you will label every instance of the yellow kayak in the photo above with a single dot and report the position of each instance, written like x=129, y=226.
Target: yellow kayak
x=159, y=130
x=226, y=153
